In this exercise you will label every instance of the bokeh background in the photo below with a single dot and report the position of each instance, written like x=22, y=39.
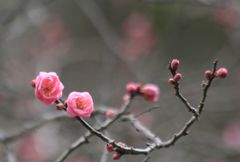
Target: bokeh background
x=99, y=46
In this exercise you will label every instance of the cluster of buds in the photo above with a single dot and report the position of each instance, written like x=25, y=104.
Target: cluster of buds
x=174, y=67
x=220, y=73
x=116, y=155
x=150, y=92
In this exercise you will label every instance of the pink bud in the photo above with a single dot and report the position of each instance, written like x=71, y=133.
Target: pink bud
x=126, y=97
x=177, y=77
x=175, y=64
x=110, y=114
x=132, y=87
x=33, y=83
x=150, y=92
x=208, y=74
x=109, y=147
x=79, y=104
x=116, y=155
x=171, y=81
x=48, y=87
x=59, y=106
x=221, y=72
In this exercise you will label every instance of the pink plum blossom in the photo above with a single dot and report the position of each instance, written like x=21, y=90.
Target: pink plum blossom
x=79, y=104
x=48, y=87
x=231, y=136
x=150, y=92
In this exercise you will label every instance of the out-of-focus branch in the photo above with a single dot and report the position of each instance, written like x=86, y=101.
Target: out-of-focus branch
x=197, y=3
x=31, y=127
x=141, y=128
x=146, y=111
x=9, y=155
x=110, y=37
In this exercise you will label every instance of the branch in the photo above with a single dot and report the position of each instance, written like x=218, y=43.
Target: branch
x=29, y=128
x=180, y=95
x=156, y=141
x=206, y=87
x=84, y=139
x=146, y=111
x=141, y=128
x=198, y=3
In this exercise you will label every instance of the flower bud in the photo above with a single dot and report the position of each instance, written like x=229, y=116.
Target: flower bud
x=150, y=92
x=177, y=77
x=132, y=87
x=174, y=64
x=110, y=114
x=116, y=155
x=221, y=72
x=59, y=106
x=109, y=147
x=171, y=81
x=33, y=83
x=208, y=74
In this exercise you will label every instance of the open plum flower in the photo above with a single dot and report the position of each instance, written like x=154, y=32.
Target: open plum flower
x=79, y=104
x=48, y=87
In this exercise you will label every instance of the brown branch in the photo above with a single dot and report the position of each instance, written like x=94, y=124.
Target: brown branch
x=180, y=95
x=206, y=87
x=84, y=139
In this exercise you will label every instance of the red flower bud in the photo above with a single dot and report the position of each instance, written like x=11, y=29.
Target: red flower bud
x=116, y=156
x=59, y=106
x=33, y=83
x=174, y=64
x=171, y=81
x=132, y=87
x=109, y=147
x=208, y=74
x=177, y=77
x=110, y=114
x=221, y=72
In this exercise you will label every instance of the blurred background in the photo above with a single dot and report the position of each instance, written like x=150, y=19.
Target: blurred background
x=99, y=46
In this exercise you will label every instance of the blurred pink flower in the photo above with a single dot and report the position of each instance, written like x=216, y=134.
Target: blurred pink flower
x=138, y=37
x=27, y=150
x=79, y=104
x=48, y=87
x=231, y=136
x=226, y=15
x=53, y=32
x=150, y=92
x=81, y=159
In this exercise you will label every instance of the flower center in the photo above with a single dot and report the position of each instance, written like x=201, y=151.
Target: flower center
x=47, y=87
x=80, y=104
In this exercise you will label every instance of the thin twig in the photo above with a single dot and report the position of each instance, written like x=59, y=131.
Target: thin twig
x=146, y=111
x=141, y=128
x=180, y=95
